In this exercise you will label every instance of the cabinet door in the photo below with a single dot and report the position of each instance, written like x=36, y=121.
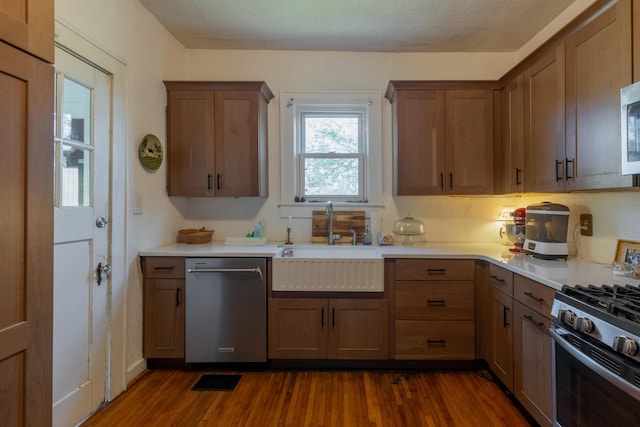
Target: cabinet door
x=190, y=143
x=420, y=139
x=164, y=318
x=28, y=24
x=544, y=121
x=238, y=162
x=501, y=354
x=359, y=329
x=298, y=328
x=513, y=137
x=469, y=142
x=532, y=363
x=598, y=65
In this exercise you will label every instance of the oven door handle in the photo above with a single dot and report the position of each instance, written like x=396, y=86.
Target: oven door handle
x=596, y=367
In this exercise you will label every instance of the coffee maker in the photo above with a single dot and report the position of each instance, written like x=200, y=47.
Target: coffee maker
x=546, y=231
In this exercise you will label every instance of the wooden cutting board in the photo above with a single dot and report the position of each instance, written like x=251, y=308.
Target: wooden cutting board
x=343, y=222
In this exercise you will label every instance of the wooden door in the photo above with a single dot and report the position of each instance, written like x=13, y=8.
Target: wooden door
x=532, y=363
x=190, y=139
x=501, y=353
x=298, y=328
x=544, y=136
x=237, y=154
x=28, y=24
x=469, y=141
x=513, y=137
x=359, y=329
x=420, y=142
x=598, y=65
x=26, y=253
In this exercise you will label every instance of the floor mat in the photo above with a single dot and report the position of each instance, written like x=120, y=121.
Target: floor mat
x=216, y=383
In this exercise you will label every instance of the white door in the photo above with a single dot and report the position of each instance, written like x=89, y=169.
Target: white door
x=81, y=239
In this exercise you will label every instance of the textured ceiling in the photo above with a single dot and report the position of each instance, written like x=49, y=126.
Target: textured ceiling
x=357, y=25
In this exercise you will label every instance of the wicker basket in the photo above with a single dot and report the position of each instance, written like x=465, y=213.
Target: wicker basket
x=194, y=235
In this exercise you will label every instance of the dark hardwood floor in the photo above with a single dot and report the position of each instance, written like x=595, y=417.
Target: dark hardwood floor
x=314, y=398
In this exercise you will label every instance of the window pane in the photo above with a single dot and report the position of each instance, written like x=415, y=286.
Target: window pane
x=76, y=111
x=75, y=179
x=331, y=177
x=331, y=134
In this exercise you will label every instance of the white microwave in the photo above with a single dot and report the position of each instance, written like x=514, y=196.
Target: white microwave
x=630, y=129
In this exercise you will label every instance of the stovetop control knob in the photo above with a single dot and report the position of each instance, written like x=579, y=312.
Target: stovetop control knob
x=582, y=324
x=566, y=316
x=625, y=345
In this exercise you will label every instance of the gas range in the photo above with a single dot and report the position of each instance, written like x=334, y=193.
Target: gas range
x=609, y=315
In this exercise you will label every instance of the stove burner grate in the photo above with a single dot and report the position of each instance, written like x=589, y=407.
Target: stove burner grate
x=619, y=300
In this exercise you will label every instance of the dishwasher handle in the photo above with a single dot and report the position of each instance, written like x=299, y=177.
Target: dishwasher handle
x=256, y=270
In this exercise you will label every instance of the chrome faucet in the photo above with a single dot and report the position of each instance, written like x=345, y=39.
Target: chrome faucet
x=329, y=212
x=354, y=236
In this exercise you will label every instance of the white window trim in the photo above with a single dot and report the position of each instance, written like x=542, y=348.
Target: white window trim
x=372, y=167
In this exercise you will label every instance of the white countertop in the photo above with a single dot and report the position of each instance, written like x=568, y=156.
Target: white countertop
x=551, y=273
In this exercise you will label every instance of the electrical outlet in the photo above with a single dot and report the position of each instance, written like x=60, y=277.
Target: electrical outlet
x=137, y=207
x=586, y=224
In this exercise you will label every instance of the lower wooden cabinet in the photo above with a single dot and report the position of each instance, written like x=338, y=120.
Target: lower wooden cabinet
x=501, y=349
x=532, y=348
x=532, y=353
x=164, y=307
x=434, y=309
x=435, y=340
x=318, y=328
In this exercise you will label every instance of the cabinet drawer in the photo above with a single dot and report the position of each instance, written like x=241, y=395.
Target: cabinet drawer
x=164, y=267
x=534, y=295
x=417, y=339
x=501, y=279
x=435, y=300
x=434, y=269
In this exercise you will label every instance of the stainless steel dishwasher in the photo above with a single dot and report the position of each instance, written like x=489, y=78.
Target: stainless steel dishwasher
x=226, y=310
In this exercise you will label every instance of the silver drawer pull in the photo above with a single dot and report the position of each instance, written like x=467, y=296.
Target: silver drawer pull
x=256, y=270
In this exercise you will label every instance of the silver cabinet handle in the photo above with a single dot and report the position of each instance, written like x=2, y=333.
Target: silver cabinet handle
x=256, y=270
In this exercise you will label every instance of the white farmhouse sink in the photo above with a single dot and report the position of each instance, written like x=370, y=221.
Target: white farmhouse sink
x=328, y=268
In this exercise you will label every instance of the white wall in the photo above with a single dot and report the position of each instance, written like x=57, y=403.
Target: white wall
x=126, y=30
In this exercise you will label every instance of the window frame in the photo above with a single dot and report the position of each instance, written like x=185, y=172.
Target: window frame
x=293, y=102
x=319, y=111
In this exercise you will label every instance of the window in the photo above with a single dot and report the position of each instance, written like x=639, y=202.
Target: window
x=330, y=151
x=330, y=147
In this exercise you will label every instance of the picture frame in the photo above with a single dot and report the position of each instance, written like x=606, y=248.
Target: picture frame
x=628, y=252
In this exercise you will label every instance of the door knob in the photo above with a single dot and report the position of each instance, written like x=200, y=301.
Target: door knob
x=101, y=222
x=100, y=270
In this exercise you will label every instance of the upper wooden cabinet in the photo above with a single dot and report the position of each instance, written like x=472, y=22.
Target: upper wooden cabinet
x=217, y=138
x=511, y=177
x=572, y=106
x=598, y=64
x=443, y=138
x=28, y=25
x=544, y=135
